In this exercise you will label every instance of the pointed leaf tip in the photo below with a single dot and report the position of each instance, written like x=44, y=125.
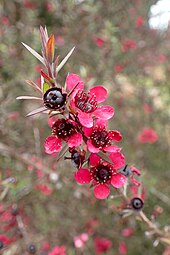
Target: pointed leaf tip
x=34, y=53
x=64, y=60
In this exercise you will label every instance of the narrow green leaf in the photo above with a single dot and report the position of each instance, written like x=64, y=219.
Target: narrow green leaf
x=46, y=86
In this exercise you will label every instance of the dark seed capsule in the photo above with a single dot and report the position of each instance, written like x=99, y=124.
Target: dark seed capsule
x=1, y=244
x=31, y=249
x=137, y=203
x=54, y=98
x=125, y=170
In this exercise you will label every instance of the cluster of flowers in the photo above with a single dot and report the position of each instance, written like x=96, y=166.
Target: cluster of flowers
x=78, y=120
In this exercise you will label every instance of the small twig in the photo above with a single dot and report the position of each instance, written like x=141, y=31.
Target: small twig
x=21, y=227
x=161, y=196
x=160, y=234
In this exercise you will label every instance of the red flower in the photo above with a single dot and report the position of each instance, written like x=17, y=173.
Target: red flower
x=122, y=248
x=63, y=130
x=162, y=58
x=147, y=135
x=99, y=41
x=139, y=22
x=102, y=245
x=101, y=139
x=4, y=20
x=5, y=240
x=84, y=104
x=29, y=4
x=118, y=68
x=58, y=250
x=44, y=188
x=127, y=232
x=129, y=44
x=102, y=175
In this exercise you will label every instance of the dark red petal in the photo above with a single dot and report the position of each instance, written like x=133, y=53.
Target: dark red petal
x=100, y=92
x=88, y=131
x=118, y=159
x=104, y=112
x=72, y=79
x=85, y=119
x=118, y=180
x=101, y=191
x=94, y=159
x=115, y=135
x=52, y=144
x=91, y=147
x=82, y=176
x=75, y=140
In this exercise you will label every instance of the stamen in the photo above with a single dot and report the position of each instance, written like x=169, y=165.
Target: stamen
x=85, y=102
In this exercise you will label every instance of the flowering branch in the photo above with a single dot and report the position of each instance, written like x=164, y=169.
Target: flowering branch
x=79, y=132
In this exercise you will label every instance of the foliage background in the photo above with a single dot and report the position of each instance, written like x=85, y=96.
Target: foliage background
x=137, y=79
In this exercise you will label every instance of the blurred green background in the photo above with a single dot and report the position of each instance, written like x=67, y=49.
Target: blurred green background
x=116, y=48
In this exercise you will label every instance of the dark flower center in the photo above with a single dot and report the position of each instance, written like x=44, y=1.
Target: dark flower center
x=54, y=98
x=85, y=102
x=102, y=173
x=99, y=138
x=63, y=129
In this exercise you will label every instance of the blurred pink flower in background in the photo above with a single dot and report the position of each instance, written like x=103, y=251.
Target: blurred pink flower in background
x=80, y=240
x=128, y=44
x=99, y=41
x=162, y=58
x=127, y=232
x=122, y=248
x=4, y=20
x=58, y=250
x=147, y=135
x=139, y=22
x=118, y=68
x=29, y=4
x=59, y=40
x=102, y=245
x=44, y=188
